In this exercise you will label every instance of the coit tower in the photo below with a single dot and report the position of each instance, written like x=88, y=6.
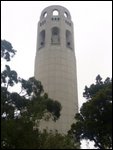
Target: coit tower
x=55, y=64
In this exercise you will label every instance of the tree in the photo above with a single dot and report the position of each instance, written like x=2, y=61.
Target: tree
x=55, y=140
x=21, y=108
x=21, y=112
x=7, y=51
x=94, y=122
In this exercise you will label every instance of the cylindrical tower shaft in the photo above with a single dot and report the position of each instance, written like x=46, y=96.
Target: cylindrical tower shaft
x=55, y=64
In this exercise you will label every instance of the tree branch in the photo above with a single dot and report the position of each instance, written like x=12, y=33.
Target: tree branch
x=99, y=145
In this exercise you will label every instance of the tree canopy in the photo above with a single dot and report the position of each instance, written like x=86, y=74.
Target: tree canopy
x=94, y=122
x=21, y=112
x=7, y=51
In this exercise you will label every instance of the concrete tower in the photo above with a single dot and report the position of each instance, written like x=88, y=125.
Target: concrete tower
x=55, y=64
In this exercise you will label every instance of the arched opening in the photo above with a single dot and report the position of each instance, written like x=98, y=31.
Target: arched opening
x=55, y=12
x=42, y=39
x=66, y=14
x=45, y=14
x=55, y=35
x=68, y=39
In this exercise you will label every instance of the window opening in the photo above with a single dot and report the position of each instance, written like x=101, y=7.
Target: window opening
x=68, y=39
x=45, y=15
x=55, y=12
x=42, y=39
x=55, y=35
x=66, y=14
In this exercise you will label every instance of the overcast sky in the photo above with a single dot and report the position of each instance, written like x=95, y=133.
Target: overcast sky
x=92, y=32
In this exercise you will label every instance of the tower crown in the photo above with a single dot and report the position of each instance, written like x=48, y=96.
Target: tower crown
x=55, y=28
x=55, y=11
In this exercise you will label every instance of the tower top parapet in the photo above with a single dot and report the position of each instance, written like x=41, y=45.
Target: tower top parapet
x=55, y=11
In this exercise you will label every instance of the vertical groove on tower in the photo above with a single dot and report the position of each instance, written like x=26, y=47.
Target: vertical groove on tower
x=55, y=64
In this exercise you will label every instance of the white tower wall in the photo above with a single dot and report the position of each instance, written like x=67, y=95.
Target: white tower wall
x=55, y=64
